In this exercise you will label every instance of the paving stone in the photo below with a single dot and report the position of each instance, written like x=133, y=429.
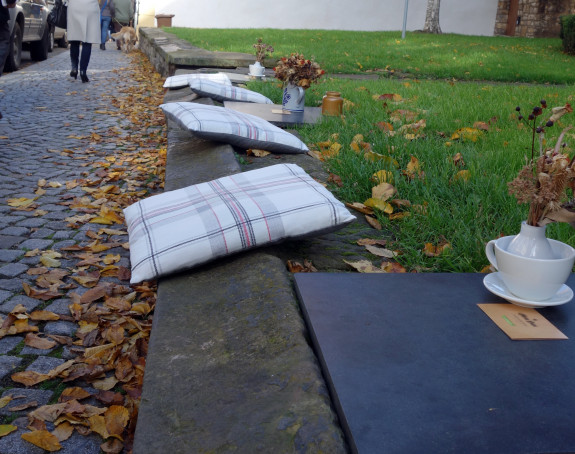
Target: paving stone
x=9, y=342
x=36, y=244
x=14, y=444
x=32, y=222
x=7, y=241
x=44, y=364
x=4, y=295
x=61, y=328
x=29, y=303
x=8, y=364
x=60, y=306
x=42, y=233
x=15, y=231
x=61, y=244
x=13, y=269
x=14, y=284
x=63, y=234
x=9, y=255
x=21, y=396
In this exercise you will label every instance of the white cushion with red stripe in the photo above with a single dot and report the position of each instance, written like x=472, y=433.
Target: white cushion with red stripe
x=180, y=229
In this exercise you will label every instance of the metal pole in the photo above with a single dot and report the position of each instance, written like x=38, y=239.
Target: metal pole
x=404, y=19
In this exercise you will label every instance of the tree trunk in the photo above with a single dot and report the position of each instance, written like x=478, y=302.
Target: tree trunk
x=432, y=17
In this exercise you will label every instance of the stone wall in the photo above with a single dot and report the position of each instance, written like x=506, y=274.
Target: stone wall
x=536, y=18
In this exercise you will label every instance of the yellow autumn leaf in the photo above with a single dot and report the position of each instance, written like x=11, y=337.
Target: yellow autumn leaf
x=6, y=429
x=379, y=205
x=467, y=134
x=21, y=202
x=372, y=156
x=382, y=176
x=364, y=266
x=462, y=175
x=55, y=184
x=5, y=400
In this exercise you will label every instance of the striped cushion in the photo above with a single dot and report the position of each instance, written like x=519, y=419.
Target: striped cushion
x=183, y=80
x=180, y=229
x=226, y=125
x=221, y=92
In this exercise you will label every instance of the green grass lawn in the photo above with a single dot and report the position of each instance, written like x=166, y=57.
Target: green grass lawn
x=421, y=55
x=457, y=193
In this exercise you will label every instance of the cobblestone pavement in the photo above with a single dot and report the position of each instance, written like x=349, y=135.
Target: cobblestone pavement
x=46, y=112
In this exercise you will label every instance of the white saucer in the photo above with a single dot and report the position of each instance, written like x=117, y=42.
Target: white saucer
x=495, y=285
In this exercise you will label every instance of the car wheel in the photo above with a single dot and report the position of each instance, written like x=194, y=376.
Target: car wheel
x=39, y=49
x=63, y=41
x=51, y=40
x=15, y=56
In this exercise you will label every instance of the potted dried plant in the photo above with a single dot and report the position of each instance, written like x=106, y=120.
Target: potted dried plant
x=297, y=73
x=531, y=266
x=263, y=50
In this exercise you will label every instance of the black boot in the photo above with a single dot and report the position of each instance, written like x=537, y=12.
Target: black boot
x=74, y=73
x=102, y=46
x=84, y=77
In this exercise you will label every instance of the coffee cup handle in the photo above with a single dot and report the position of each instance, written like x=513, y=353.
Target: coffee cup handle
x=490, y=253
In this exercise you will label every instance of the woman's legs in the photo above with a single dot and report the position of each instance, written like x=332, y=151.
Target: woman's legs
x=104, y=25
x=85, y=60
x=74, y=54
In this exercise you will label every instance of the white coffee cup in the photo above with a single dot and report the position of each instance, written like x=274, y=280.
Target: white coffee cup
x=528, y=278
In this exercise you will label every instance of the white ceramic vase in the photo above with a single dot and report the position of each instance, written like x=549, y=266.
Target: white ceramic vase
x=257, y=69
x=531, y=242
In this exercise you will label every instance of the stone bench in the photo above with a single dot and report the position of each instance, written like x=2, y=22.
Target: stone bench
x=229, y=366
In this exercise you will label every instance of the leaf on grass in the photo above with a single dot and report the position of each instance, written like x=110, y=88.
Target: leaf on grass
x=379, y=204
x=431, y=250
x=382, y=176
x=43, y=439
x=359, y=207
x=462, y=175
x=383, y=191
x=467, y=134
x=373, y=222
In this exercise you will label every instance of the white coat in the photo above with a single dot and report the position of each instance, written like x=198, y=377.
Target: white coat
x=84, y=21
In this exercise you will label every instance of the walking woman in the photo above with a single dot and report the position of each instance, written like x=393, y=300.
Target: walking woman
x=84, y=30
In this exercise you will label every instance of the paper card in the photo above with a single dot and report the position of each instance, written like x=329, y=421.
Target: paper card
x=280, y=111
x=521, y=323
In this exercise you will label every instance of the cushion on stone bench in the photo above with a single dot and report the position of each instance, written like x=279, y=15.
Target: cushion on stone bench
x=236, y=128
x=183, y=80
x=222, y=92
x=180, y=229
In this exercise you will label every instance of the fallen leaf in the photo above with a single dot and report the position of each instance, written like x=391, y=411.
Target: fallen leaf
x=43, y=439
x=380, y=252
x=35, y=341
x=373, y=222
x=364, y=266
x=6, y=429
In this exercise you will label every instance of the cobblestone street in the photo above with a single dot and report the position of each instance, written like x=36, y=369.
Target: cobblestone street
x=46, y=140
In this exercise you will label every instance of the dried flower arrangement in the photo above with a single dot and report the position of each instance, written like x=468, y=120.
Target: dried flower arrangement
x=263, y=50
x=297, y=70
x=546, y=182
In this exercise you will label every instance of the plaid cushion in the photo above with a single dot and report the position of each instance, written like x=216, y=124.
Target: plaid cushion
x=230, y=126
x=221, y=92
x=180, y=229
x=183, y=80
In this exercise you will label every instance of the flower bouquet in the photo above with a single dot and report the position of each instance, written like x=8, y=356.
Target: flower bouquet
x=547, y=181
x=263, y=50
x=298, y=71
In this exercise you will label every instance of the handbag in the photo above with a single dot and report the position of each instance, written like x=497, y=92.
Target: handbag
x=58, y=15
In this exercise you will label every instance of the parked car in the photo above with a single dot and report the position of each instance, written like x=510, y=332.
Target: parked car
x=29, y=31
x=58, y=35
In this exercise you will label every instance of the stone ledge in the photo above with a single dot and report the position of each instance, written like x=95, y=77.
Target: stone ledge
x=167, y=53
x=229, y=366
